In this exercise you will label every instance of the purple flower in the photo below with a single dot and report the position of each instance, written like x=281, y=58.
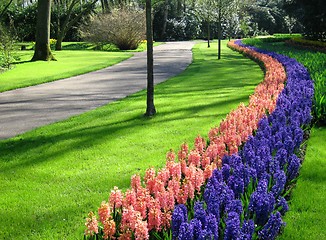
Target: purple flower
x=212, y=225
x=197, y=227
x=282, y=205
x=247, y=229
x=179, y=216
x=261, y=202
x=293, y=167
x=226, y=172
x=200, y=213
x=232, y=229
x=279, y=180
x=186, y=232
x=281, y=157
x=272, y=227
x=234, y=206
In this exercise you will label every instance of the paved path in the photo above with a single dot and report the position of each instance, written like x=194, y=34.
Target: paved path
x=24, y=109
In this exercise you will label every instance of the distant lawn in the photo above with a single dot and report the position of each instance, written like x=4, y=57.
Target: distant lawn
x=69, y=63
x=52, y=177
x=306, y=218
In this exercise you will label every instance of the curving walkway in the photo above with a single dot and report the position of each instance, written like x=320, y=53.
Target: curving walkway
x=27, y=108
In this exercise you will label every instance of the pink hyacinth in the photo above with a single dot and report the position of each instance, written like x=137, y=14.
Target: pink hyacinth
x=91, y=225
x=116, y=198
x=104, y=211
x=109, y=229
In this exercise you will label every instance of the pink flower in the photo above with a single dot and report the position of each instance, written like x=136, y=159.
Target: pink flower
x=141, y=231
x=154, y=217
x=182, y=154
x=116, y=198
x=130, y=198
x=170, y=156
x=200, y=144
x=104, y=211
x=150, y=179
x=135, y=182
x=91, y=225
x=194, y=158
x=109, y=229
x=174, y=186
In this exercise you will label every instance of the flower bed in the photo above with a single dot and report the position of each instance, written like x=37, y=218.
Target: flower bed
x=245, y=199
x=146, y=210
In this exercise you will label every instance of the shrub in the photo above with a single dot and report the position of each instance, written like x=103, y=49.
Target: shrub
x=6, y=47
x=123, y=27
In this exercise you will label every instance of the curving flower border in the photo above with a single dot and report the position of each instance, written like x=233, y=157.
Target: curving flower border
x=145, y=209
x=245, y=198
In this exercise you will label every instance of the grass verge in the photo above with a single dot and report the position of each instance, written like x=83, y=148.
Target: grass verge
x=68, y=64
x=52, y=176
x=306, y=217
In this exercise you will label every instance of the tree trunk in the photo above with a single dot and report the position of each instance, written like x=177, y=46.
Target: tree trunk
x=208, y=34
x=58, y=44
x=42, y=46
x=150, y=110
x=219, y=34
x=106, y=6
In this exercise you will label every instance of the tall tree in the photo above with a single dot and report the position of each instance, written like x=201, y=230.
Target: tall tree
x=150, y=110
x=42, y=45
x=206, y=9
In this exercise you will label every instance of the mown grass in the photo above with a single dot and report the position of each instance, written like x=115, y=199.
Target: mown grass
x=53, y=176
x=69, y=63
x=306, y=218
x=314, y=61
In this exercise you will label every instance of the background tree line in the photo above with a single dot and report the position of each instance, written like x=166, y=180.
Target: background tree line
x=175, y=19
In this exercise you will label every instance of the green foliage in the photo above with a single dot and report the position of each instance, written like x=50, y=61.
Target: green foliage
x=51, y=177
x=6, y=48
x=186, y=27
x=314, y=61
x=311, y=14
x=23, y=21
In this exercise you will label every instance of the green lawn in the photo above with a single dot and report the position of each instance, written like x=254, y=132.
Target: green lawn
x=69, y=63
x=306, y=218
x=52, y=177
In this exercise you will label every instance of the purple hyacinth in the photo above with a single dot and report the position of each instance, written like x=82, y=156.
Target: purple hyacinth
x=247, y=229
x=261, y=202
x=272, y=227
x=200, y=213
x=234, y=206
x=179, y=216
x=232, y=229
x=212, y=225
x=281, y=157
x=197, y=227
x=279, y=180
x=186, y=232
x=282, y=205
x=293, y=167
